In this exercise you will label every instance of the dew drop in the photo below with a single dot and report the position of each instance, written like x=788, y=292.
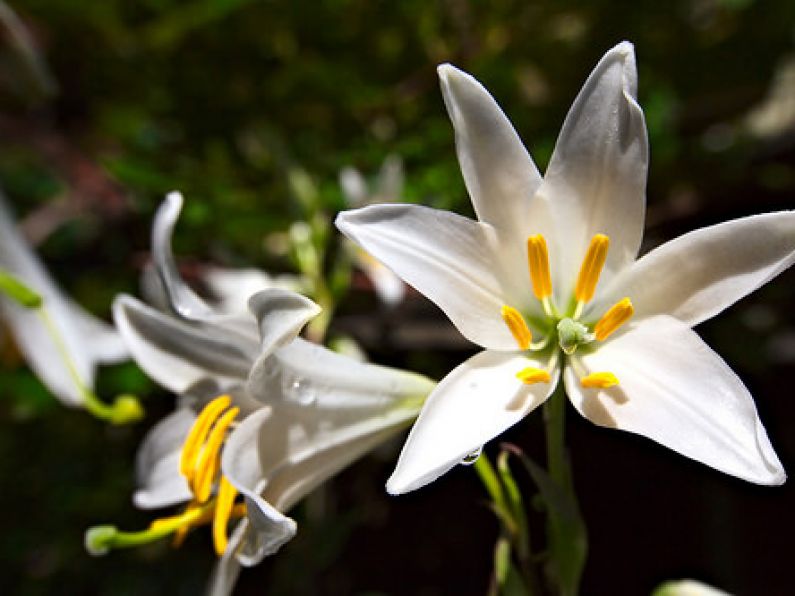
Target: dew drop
x=303, y=392
x=471, y=458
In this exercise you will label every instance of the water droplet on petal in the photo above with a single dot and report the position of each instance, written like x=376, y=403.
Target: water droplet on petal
x=471, y=458
x=303, y=392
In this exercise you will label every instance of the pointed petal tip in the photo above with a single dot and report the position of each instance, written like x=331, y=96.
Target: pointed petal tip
x=175, y=197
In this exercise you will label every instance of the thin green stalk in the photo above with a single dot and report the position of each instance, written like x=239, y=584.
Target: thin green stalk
x=554, y=422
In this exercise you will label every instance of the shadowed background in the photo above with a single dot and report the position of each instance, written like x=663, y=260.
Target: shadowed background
x=222, y=100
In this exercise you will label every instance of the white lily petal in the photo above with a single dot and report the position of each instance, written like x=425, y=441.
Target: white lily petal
x=240, y=462
x=305, y=373
x=159, y=481
x=182, y=298
x=176, y=354
x=696, y=276
x=477, y=401
x=102, y=340
x=281, y=315
x=596, y=179
x=499, y=173
x=233, y=287
x=35, y=341
x=448, y=258
x=675, y=390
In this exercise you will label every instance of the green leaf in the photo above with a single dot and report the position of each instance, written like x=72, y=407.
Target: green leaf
x=567, y=535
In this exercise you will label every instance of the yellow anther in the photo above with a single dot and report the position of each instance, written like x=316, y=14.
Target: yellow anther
x=209, y=460
x=599, y=380
x=618, y=314
x=538, y=261
x=198, y=434
x=519, y=329
x=532, y=375
x=224, y=505
x=591, y=268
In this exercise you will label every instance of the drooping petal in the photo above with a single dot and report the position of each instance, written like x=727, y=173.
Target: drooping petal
x=499, y=173
x=477, y=401
x=305, y=373
x=176, y=354
x=268, y=529
x=696, y=276
x=675, y=390
x=159, y=481
x=36, y=342
x=182, y=298
x=281, y=315
x=447, y=257
x=596, y=179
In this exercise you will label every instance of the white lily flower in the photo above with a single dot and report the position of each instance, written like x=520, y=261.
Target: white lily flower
x=64, y=345
x=687, y=587
x=649, y=373
x=388, y=187
x=290, y=415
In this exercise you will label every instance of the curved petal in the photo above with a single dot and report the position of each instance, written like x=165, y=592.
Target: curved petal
x=675, y=390
x=310, y=375
x=596, y=179
x=159, y=481
x=174, y=353
x=233, y=287
x=697, y=275
x=447, y=257
x=240, y=462
x=477, y=401
x=183, y=299
x=102, y=340
x=281, y=315
x=499, y=173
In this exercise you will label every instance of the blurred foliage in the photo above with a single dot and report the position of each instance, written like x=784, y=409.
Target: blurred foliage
x=221, y=99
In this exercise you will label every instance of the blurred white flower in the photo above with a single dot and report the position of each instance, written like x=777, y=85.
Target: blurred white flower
x=388, y=188
x=61, y=342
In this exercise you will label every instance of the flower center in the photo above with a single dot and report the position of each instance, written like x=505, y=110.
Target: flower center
x=200, y=463
x=570, y=331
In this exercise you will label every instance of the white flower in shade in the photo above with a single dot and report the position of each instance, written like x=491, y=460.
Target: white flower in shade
x=266, y=416
x=617, y=329
x=388, y=188
x=61, y=343
x=687, y=587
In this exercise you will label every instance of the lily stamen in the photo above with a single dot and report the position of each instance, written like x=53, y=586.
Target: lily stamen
x=590, y=271
x=224, y=506
x=538, y=263
x=518, y=327
x=615, y=317
x=209, y=460
x=599, y=380
x=532, y=375
x=198, y=434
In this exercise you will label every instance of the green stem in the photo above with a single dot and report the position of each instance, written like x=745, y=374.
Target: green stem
x=125, y=409
x=554, y=421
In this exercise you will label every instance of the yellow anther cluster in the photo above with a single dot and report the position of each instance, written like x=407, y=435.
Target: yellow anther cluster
x=538, y=262
x=599, y=380
x=531, y=375
x=618, y=314
x=519, y=329
x=200, y=464
x=591, y=268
